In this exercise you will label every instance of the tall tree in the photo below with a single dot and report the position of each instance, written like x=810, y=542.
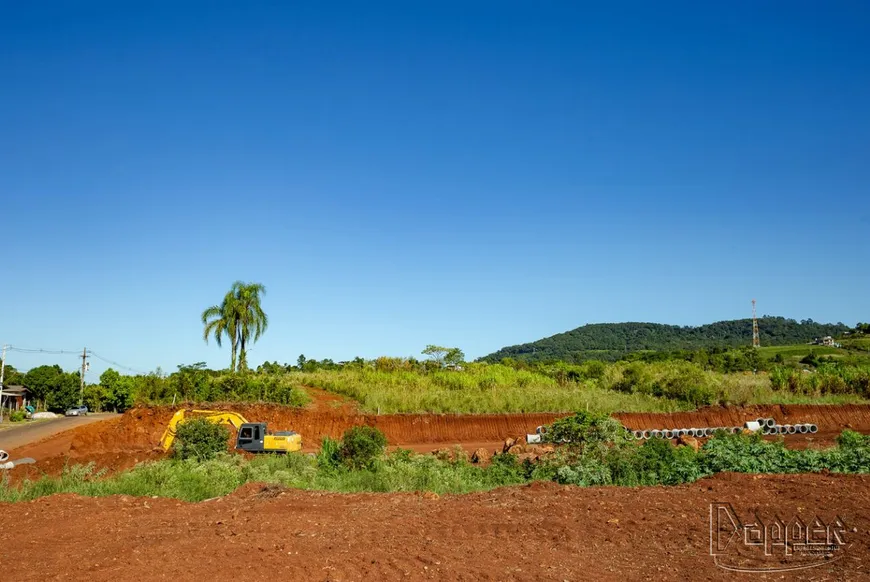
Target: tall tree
x=251, y=320
x=221, y=320
x=239, y=317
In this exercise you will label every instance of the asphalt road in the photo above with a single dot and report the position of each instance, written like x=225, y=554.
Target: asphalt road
x=26, y=433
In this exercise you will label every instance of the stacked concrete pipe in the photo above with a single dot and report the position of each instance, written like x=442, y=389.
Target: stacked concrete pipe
x=767, y=426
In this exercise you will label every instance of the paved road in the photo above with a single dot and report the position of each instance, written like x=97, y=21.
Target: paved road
x=13, y=438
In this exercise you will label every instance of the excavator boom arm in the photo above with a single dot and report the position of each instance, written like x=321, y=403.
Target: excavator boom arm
x=216, y=416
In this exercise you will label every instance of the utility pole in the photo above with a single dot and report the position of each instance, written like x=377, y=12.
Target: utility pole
x=756, y=339
x=84, y=369
x=2, y=370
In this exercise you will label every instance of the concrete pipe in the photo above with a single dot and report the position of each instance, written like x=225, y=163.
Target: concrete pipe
x=736, y=429
x=667, y=433
x=647, y=434
x=813, y=429
x=761, y=421
x=638, y=434
x=790, y=429
x=780, y=429
x=709, y=431
x=802, y=428
x=656, y=434
x=753, y=425
x=3, y=456
x=771, y=422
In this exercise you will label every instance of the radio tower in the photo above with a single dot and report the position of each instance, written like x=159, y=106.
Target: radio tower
x=756, y=341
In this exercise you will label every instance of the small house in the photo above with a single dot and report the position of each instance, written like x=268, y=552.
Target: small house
x=13, y=397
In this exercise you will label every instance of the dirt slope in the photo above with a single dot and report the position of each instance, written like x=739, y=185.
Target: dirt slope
x=537, y=532
x=121, y=442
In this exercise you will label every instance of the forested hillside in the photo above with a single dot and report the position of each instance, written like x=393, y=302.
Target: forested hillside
x=610, y=341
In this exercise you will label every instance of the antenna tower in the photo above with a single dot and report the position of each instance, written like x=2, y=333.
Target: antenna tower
x=756, y=341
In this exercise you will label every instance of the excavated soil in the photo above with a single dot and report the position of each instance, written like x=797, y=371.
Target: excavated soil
x=121, y=442
x=538, y=532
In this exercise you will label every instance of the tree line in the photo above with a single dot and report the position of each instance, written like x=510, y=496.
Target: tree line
x=612, y=341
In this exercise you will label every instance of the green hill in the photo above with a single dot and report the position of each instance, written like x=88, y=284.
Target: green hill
x=610, y=341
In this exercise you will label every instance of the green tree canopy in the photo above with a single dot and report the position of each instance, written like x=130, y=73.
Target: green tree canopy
x=42, y=381
x=240, y=318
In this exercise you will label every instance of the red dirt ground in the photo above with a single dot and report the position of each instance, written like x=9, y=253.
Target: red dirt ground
x=538, y=532
x=121, y=442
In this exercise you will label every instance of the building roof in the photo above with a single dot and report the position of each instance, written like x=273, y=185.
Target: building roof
x=14, y=390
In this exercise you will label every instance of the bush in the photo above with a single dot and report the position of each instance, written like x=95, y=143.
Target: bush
x=686, y=382
x=658, y=462
x=361, y=446
x=329, y=456
x=17, y=416
x=588, y=431
x=200, y=439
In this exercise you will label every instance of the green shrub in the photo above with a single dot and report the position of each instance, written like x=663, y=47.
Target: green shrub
x=586, y=472
x=329, y=456
x=17, y=416
x=658, y=462
x=361, y=446
x=852, y=455
x=686, y=382
x=200, y=439
x=588, y=432
x=506, y=468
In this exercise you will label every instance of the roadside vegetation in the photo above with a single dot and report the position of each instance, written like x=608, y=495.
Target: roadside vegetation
x=407, y=385
x=443, y=382
x=590, y=449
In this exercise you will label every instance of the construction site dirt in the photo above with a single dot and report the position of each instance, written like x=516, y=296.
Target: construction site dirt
x=123, y=441
x=541, y=531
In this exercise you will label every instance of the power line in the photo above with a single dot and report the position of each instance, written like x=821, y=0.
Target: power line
x=41, y=351
x=76, y=353
x=108, y=361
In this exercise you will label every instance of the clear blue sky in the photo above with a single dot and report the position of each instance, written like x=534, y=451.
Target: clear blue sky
x=464, y=173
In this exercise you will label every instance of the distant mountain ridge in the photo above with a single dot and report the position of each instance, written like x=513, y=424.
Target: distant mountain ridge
x=610, y=341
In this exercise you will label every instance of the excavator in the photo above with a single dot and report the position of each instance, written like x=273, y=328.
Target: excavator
x=252, y=436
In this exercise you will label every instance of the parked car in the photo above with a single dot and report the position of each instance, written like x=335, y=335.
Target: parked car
x=77, y=411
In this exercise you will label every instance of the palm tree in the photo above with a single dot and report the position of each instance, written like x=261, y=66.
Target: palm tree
x=220, y=320
x=251, y=320
x=239, y=317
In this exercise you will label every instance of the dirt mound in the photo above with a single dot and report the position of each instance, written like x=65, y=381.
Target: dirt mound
x=538, y=532
x=141, y=428
x=120, y=442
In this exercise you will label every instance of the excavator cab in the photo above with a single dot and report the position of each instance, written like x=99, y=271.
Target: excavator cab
x=251, y=437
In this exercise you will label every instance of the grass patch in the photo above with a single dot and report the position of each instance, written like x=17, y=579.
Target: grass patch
x=636, y=386
x=798, y=352
x=595, y=452
x=191, y=480
x=480, y=388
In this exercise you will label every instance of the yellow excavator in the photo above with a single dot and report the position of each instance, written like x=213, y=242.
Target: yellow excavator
x=252, y=436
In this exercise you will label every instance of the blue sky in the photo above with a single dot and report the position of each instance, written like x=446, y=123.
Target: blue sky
x=475, y=174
